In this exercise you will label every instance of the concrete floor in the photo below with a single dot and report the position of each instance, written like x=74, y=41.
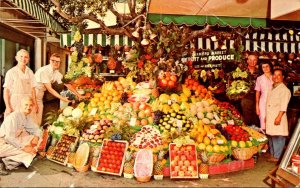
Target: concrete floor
x=44, y=173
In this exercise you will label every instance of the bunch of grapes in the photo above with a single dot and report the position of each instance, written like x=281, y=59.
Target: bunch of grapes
x=124, y=98
x=157, y=116
x=223, y=131
x=116, y=136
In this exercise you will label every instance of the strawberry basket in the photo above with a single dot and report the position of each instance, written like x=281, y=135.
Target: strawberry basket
x=216, y=158
x=244, y=153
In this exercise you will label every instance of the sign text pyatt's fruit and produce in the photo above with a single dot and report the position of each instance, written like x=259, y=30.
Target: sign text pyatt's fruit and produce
x=209, y=59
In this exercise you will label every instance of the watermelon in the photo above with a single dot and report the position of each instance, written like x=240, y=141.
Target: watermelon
x=82, y=155
x=143, y=164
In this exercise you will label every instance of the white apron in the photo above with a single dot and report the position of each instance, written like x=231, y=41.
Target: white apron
x=21, y=88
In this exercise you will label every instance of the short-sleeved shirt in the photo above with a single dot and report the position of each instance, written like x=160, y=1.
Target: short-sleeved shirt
x=14, y=73
x=46, y=75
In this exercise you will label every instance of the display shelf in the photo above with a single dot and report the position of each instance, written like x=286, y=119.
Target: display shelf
x=287, y=169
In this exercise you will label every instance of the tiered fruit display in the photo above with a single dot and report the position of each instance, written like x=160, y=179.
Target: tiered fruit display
x=62, y=149
x=183, y=161
x=148, y=137
x=112, y=157
x=96, y=131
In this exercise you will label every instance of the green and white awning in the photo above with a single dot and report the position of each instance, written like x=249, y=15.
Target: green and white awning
x=36, y=11
x=97, y=39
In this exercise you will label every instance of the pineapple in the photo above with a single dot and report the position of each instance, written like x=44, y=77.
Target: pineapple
x=128, y=165
x=158, y=168
x=203, y=167
x=128, y=168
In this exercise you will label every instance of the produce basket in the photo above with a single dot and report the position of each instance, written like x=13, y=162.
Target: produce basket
x=216, y=158
x=244, y=153
x=143, y=179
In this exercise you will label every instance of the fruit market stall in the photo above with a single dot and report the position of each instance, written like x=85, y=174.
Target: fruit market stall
x=146, y=124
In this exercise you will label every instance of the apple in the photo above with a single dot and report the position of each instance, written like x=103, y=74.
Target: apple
x=179, y=153
x=187, y=173
x=183, y=157
x=189, y=148
x=175, y=148
x=194, y=174
x=183, y=168
x=186, y=153
x=174, y=163
x=180, y=163
x=176, y=158
x=174, y=173
x=190, y=168
x=193, y=163
x=177, y=168
x=187, y=163
x=181, y=174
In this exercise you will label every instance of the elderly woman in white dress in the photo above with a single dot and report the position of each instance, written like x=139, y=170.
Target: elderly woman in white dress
x=19, y=136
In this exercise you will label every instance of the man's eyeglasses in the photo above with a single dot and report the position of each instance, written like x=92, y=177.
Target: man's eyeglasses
x=54, y=61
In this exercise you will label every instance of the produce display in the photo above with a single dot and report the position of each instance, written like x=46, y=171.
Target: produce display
x=163, y=110
x=183, y=161
x=112, y=157
x=62, y=149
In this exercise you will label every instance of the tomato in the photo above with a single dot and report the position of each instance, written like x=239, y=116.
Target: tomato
x=163, y=83
x=173, y=78
x=171, y=84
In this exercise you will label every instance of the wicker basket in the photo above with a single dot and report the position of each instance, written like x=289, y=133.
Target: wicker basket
x=244, y=153
x=143, y=179
x=216, y=158
x=83, y=168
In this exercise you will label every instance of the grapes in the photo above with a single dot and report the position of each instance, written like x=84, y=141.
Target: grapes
x=157, y=116
x=124, y=98
x=116, y=136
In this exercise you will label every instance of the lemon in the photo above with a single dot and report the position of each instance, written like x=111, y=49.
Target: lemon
x=242, y=144
x=202, y=146
x=249, y=143
x=206, y=140
x=216, y=148
x=234, y=143
x=209, y=148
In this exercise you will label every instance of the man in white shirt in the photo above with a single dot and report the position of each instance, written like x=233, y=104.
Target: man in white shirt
x=45, y=77
x=19, y=136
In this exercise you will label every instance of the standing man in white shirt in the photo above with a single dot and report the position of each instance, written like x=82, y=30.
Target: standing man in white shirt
x=45, y=77
x=19, y=83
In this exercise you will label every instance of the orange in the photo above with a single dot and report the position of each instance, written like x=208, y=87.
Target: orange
x=144, y=122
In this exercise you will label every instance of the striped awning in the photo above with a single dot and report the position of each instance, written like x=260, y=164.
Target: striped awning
x=275, y=42
x=260, y=41
x=36, y=11
x=97, y=39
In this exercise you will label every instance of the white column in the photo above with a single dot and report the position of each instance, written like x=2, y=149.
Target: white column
x=38, y=53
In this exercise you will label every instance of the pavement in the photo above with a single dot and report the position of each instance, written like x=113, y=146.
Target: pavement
x=45, y=173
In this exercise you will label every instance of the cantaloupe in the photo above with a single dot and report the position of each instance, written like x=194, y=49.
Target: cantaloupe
x=143, y=164
x=82, y=155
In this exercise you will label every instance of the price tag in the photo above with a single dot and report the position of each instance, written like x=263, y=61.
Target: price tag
x=216, y=116
x=230, y=122
x=132, y=121
x=169, y=102
x=93, y=111
x=179, y=125
x=220, y=141
x=112, y=71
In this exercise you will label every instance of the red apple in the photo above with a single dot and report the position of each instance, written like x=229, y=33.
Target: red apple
x=187, y=173
x=187, y=163
x=190, y=168
x=189, y=148
x=177, y=168
x=183, y=157
x=184, y=168
x=174, y=173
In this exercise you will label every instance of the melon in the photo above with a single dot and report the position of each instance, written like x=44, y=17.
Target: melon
x=143, y=165
x=82, y=155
